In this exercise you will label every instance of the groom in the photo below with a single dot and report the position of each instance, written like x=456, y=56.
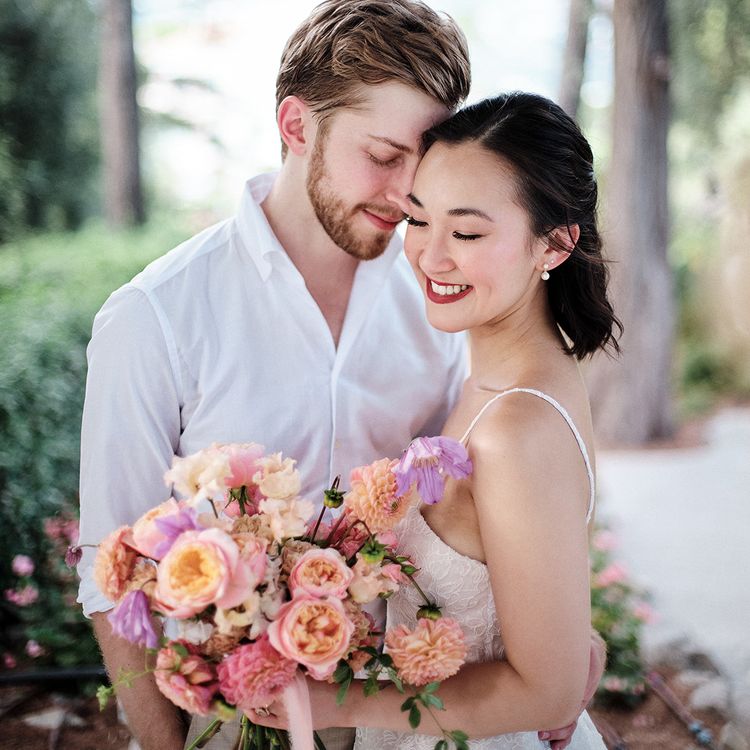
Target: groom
x=297, y=324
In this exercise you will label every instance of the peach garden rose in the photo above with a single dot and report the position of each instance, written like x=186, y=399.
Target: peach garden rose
x=320, y=572
x=314, y=632
x=202, y=568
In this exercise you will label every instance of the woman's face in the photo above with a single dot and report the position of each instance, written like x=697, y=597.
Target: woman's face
x=469, y=242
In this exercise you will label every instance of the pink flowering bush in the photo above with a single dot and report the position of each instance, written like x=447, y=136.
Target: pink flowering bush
x=40, y=622
x=619, y=611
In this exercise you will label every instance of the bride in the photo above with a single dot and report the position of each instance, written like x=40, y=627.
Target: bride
x=502, y=238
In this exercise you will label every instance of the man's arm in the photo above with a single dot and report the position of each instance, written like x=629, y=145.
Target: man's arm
x=131, y=423
x=155, y=721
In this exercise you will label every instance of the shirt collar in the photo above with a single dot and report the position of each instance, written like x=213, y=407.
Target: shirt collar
x=261, y=243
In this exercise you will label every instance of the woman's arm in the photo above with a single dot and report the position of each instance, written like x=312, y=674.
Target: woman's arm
x=530, y=491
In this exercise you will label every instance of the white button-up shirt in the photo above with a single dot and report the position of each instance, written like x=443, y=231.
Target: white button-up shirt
x=220, y=341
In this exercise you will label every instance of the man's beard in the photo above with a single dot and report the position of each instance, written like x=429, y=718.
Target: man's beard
x=333, y=214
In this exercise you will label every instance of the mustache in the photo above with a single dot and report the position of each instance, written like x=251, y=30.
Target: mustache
x=384, y=212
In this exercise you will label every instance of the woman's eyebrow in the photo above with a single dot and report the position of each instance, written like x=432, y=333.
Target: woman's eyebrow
x=454, y=211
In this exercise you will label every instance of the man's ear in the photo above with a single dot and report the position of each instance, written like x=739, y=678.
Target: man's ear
x=294, y=118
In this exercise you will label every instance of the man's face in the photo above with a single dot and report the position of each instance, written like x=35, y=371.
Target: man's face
x=363, y=162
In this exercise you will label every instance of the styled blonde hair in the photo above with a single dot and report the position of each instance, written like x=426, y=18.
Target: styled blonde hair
x=346, y=44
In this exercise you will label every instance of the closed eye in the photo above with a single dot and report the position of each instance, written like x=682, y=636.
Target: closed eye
x=466, y=237
x=411, y=221
x=387, y=163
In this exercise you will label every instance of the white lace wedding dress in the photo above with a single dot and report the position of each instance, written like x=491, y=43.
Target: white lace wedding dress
x=460, y=586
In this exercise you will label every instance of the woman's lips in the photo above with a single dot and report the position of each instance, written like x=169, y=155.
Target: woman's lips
x=443, y=299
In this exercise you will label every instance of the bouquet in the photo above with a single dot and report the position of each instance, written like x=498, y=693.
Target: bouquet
x=264, y=597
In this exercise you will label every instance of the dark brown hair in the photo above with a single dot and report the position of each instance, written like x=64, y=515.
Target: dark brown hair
x=345, y=44
x=553, y=167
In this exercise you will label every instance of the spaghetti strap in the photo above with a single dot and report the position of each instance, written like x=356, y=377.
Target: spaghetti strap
x=566, y=417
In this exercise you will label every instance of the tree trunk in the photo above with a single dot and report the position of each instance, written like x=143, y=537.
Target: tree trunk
x=575, y=56
x=123, y=198
x=631, y=397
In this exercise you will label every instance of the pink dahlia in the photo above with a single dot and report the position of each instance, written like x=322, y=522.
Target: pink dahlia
x=189, y=681
x=434, y=650
x=253, y=675
x=372, y=497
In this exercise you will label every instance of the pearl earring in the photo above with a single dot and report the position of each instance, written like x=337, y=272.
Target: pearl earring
x=545, y=272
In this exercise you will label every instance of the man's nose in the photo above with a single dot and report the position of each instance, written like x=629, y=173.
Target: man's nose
x=399, y=187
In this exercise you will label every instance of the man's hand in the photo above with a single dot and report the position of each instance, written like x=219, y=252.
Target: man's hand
x=559, y=739
x=155, y=721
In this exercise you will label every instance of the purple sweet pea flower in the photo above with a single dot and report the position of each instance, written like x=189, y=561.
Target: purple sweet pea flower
x=131, y=620
x=427, y=461
x=172, y=526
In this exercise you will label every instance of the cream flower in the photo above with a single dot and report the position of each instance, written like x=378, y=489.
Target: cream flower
x=277, y=477
x=287, y=517
x=200, y=475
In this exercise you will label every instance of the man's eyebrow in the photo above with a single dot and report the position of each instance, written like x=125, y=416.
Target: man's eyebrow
x=393, y=144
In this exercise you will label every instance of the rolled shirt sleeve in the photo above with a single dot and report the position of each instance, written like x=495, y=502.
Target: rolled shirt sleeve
x=131, y=423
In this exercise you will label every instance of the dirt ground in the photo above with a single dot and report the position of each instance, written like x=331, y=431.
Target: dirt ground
x=651, y=726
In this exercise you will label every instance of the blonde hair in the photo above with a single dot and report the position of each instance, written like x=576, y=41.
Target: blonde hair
x=346, y=44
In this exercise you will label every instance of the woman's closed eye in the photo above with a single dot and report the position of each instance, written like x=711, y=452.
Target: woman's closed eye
x=412, y=222
x=466, y=237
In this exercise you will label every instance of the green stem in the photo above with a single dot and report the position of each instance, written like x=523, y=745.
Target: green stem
x=283, y=739
x=213, y=507
x=205, y=735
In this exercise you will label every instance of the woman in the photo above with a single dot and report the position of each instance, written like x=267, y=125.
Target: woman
x=502, y=237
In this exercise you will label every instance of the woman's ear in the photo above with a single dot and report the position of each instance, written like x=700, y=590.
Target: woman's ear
x=560, y=244
x=293, y=118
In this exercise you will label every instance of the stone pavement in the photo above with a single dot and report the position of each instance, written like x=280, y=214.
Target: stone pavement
x=682, y=517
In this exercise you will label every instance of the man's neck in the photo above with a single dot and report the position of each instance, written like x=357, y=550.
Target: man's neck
x=327, y=270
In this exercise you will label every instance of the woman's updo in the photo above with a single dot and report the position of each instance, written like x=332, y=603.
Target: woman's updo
x=555, y=182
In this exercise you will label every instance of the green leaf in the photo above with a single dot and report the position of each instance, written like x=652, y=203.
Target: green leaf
x=180, y=649
x=431, y=688
x=415, y=717
x=441, y=745
x=103, y=694
x=459, y=738
x=371, y=687
x=407, y=704
x=342, y=672
x=386, y=660
x=342, y=691
x=433, y=700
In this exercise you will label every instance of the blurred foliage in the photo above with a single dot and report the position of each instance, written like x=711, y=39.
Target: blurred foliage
x=618, y=613
x=48, y=125
x=711, y=55
x=50, y=288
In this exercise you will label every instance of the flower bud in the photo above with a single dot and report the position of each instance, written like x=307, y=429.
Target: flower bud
x=73, y=556
x=429, y=612
x=373, y=552
x=333, y=498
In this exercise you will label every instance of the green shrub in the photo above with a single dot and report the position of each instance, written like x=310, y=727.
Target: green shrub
x=50, y=288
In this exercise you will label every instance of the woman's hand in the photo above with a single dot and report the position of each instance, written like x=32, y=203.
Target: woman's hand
x=325, y=712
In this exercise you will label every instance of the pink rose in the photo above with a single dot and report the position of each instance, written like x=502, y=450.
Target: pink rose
x=22, y=565
x=370, y=581
x=146, y=534
x=202, y=568
x=604, y=540
x=187, y=680
x=314, y=632
x=613, y=573
x=244, y=462
x=321, y=573
x=254, y=674
x=33, y=649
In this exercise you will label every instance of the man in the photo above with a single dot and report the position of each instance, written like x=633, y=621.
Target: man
x=297, y=324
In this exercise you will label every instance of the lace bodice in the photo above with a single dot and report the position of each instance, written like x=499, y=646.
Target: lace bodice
x=460, y=586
